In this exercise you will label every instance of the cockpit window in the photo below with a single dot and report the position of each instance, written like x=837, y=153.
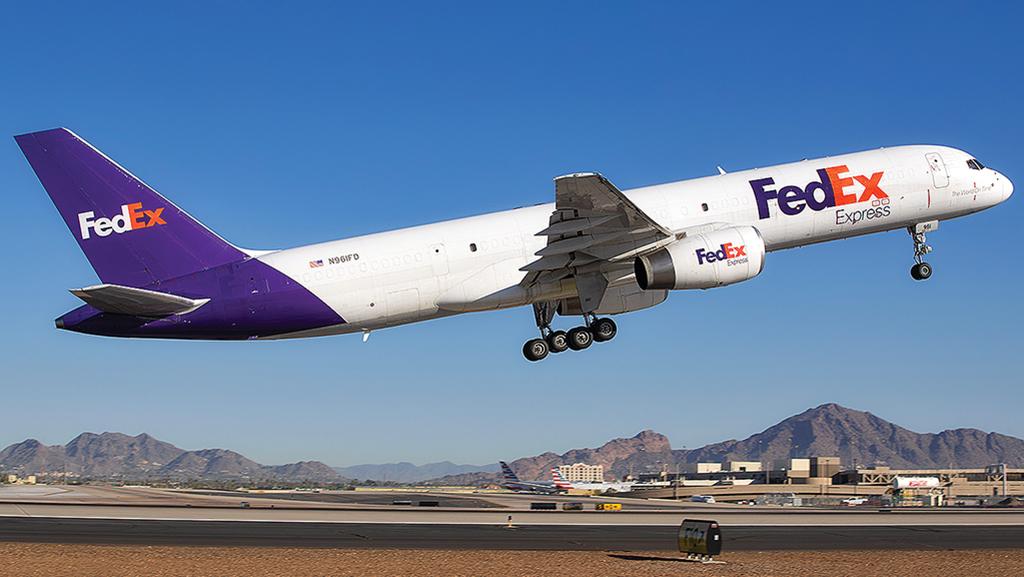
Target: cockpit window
x=974, y=164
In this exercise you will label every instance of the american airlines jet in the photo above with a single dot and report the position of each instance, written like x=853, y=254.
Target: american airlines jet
x=512, y=482
x=595, y=251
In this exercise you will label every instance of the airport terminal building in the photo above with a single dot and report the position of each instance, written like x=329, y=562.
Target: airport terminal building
x=823, y=480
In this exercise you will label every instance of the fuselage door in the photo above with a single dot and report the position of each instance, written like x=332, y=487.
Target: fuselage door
x=439, y=258
x=938, y=169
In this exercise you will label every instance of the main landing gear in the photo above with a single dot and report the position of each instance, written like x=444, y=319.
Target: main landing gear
x=921, y=270
x=578, y=338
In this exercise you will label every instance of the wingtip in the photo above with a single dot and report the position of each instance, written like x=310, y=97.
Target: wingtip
x=579, y=175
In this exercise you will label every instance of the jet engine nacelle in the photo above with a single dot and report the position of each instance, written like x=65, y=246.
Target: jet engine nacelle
x=703, y=261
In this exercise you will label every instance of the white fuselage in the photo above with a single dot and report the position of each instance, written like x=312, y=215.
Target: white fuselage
x=472, y=264
x=603, y=487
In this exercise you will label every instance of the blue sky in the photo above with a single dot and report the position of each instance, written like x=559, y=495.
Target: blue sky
x=282, y=126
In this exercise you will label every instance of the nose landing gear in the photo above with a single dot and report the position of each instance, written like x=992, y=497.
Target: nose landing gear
x=921, y=270
x=594, y=330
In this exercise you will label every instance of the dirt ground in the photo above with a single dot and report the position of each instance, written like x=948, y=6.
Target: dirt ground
x=25, y=560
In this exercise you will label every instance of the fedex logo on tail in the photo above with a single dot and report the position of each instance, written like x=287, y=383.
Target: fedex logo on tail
x=834, y=188
x=132, y=217
x=728, y=252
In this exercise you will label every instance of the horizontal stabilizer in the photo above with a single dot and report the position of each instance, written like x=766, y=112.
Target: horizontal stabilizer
x=123, y=300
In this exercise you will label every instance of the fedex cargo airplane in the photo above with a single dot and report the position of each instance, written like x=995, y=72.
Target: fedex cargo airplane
x=596, y=251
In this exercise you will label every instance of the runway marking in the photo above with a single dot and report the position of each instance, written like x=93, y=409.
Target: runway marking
x=517, y=522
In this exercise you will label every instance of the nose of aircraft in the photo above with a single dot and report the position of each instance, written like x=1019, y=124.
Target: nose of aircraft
x=1007, y=187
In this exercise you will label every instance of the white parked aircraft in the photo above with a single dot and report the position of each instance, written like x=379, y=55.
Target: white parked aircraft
x=595, y=251
x=594, y=486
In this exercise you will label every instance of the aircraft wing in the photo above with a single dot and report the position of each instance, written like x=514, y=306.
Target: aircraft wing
x=125, y=300
x=594, y=228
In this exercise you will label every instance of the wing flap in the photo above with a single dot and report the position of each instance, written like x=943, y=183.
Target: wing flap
x=125, y=300
x=574, y=226
x=592, y=232
x=548, y=263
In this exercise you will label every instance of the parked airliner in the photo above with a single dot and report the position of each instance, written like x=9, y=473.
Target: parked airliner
x=601, y=487
x=595, y=251
x=512, y=482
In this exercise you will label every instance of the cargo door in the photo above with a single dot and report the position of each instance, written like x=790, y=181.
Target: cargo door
x=940, y=176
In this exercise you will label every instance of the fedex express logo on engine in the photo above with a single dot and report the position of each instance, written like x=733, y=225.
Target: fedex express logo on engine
x=833, y=189
x=729, y=253
x=132, y=217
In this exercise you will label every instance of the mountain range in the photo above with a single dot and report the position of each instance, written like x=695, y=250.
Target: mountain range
x=120, y=456
x=857, y=437
x=406, y=472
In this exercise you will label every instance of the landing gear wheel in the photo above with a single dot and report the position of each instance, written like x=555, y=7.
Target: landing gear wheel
x=557, y=341
x=535, y=350
x=921, y=271
x=580, y=338
x=603, y=329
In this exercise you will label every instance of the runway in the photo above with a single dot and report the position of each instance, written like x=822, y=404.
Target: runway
x=103, y=495
x=146, y=516
x=498, y=537
x=297, y=513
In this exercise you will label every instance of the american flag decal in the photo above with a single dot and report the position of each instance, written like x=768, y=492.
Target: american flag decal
x=316, y=263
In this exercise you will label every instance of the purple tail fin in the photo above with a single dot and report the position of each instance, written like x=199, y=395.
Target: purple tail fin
x=130, y=234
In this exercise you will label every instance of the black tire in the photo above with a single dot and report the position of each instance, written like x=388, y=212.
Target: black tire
x=921, y=271
x=535, y=350
x=924, y=270
x=558, y=341
x=603, y=329
x=580, y=338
